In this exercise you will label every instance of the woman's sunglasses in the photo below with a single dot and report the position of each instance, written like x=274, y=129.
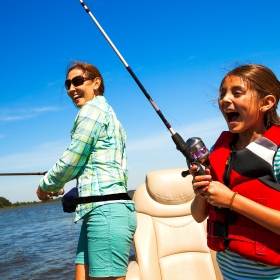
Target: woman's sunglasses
x=76, y=81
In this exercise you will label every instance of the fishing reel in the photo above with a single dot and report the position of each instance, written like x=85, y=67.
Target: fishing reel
x=199, y=152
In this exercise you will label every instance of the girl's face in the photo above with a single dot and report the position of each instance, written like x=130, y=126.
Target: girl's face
x=240, y=106
x=84, y=92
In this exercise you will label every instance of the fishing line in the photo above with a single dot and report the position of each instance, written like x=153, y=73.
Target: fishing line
x=178, y=140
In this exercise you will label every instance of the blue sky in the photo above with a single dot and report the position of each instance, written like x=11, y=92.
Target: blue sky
x=179, y=50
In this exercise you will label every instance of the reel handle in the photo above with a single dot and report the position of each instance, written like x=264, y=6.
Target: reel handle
x=61, y=192
x=196, y=173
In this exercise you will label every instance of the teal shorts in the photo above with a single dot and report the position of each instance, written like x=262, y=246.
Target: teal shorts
x=106, y=235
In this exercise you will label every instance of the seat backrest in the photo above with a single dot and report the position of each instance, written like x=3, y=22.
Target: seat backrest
x=169, y=244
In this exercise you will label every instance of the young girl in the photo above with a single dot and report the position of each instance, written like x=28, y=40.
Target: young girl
x=240, y=194
x=96, y=156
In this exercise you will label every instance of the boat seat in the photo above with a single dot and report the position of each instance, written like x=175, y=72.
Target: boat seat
x=169, y=243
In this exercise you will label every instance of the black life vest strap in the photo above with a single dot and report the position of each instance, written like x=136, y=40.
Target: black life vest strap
x=98, y=198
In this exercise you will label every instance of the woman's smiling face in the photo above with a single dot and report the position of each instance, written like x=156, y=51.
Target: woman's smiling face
x=83, y=93
x=240, y=106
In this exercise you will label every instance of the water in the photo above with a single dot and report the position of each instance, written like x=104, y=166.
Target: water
x=38, y=242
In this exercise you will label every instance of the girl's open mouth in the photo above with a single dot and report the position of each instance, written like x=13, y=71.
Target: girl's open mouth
x=232, y=116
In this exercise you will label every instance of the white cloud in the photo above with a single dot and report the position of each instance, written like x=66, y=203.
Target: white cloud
x=16, y=118
x=147, y=154
x=45, y=109
x=158, y=152
x=22, y=114
x=208, y=131
x=38, y=159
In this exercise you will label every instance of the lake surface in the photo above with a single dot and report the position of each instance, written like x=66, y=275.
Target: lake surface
x=38, y=242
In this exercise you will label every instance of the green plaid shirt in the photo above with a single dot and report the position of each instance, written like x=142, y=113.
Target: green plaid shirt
x=96, y=156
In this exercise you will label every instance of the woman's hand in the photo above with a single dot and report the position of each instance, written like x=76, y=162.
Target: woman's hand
x=45, y=196
x=42, y=195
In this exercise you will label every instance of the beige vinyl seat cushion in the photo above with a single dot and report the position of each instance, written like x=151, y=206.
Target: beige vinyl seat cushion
x=169, y=244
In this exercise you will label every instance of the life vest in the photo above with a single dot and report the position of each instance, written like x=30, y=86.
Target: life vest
x=250, y=173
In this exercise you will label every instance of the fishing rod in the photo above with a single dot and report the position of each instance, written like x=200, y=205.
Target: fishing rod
x=194, y=149
x=61, y=192
x=23, y=173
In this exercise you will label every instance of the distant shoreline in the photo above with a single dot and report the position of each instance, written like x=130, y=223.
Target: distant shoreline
x=25, y=204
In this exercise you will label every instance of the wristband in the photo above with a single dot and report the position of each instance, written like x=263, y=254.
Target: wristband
x=231, y=201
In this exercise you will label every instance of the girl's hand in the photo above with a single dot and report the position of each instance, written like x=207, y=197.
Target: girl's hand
x=201, y=182
x=214, y=192
x=200, y=187
x=218, y=194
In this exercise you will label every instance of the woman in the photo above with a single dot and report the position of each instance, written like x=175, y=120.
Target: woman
x=241, y=192
x=96, y=156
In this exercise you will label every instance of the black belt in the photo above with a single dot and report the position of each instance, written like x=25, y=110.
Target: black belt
x=98, y=198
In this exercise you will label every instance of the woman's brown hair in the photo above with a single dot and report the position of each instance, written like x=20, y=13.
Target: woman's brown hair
x=89, y=70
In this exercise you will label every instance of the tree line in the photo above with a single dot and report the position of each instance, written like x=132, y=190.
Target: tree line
x=4, y=203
